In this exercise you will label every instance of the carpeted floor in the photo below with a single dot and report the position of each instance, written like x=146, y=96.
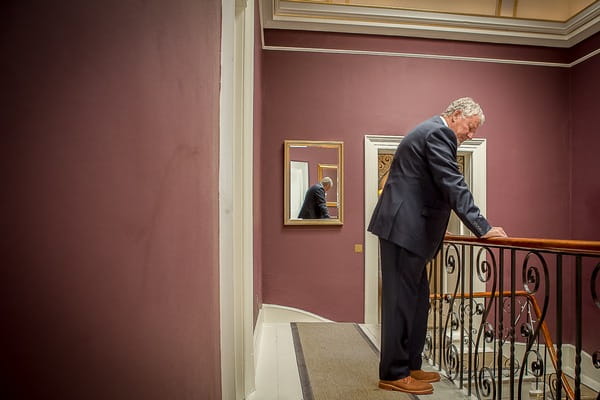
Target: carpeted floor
x=338, y=361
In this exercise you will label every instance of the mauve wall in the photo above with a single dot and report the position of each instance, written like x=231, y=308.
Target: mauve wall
x=585, y=170
x=585, y=82
x=317, y=96
x=110, y=174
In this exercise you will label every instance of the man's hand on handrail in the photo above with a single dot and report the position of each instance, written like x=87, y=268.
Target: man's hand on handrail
x=495, y=232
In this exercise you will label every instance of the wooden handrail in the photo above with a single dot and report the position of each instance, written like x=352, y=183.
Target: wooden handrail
x=568, y=246
x=544, y=328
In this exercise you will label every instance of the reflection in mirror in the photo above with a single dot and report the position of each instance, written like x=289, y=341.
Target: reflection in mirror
x=313, y=184
x=329, y=170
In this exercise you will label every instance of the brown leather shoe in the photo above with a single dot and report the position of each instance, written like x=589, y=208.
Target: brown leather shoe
x=425, y=376
x=407, y=385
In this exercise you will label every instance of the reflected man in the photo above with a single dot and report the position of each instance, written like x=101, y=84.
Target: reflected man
x=315, y=205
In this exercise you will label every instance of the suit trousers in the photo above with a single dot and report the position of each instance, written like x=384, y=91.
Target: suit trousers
x=404, y=309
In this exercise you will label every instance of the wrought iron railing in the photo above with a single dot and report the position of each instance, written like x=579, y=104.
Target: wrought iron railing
x=516, y=318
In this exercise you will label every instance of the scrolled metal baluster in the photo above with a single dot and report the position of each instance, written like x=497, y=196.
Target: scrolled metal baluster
x=537, y=366
x=467, y=335
x=486, y=271
x=596, y=355
x=507, y=365
x=532, y=280
x=454, y=322
x=449, y=327
x=452, y=259
x=531, y=276
x=452, y=360
x=489, y=333
x=479, y=308
x=527, y=331
x=593, y=285
x=552, y=382
x=486, y=384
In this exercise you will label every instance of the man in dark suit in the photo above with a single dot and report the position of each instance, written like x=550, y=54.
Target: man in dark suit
x=315, y=204
x=410, y=219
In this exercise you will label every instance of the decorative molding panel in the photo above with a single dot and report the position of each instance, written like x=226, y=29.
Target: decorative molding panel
x=311, y=16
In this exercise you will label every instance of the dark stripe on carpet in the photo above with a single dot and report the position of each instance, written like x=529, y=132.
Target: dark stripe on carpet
x=304, y=381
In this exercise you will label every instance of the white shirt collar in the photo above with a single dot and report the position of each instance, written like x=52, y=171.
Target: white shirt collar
x=444, y=121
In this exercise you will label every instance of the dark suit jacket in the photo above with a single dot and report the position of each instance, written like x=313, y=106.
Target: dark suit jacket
x=424, y=184
x=315, y=205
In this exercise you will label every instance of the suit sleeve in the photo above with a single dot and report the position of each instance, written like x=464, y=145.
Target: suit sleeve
x=441, y=156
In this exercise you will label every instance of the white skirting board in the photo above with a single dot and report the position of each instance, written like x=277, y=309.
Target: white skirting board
x=280, y=314
x=590, y=376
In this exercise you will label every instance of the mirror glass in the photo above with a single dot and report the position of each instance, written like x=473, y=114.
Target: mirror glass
x=313, y=182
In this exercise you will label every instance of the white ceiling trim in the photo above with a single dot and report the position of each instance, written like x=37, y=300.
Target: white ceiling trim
x=433, y=56
x=283, y=14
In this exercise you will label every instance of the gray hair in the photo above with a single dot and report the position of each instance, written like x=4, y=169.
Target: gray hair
x=327, y=181
x=467, y=106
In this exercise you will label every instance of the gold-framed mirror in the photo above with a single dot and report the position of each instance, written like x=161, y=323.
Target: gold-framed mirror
x=313, y=182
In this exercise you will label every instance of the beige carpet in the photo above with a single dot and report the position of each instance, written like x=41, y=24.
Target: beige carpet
x=338, y=361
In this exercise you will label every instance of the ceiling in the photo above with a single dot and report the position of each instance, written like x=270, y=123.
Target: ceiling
x=554, y=23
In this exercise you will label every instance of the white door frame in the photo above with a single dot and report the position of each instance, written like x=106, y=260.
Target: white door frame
x=235, y=199
x=373, y=143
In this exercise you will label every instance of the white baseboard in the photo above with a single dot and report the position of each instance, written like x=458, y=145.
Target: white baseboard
x=271, y=314
x=258, y=331
x=282, y=314
x=590, y=376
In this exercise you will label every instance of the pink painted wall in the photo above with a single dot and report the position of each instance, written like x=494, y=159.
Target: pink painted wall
x=585, y=84
x=109, y=162
x=585, y=169
x=317, y=96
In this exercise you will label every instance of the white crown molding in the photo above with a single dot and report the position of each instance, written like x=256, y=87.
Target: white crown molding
x=283, y=14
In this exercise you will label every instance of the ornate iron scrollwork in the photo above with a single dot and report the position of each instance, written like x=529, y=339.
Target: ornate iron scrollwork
x=537, y=364
x=499, y=334
x=454, y=322
x=532, y=280
x=531, y=276
x=593, y=285
x=526, y=330
x=517, y=366
x=479, y=308
x=488, y=333
x=486, y=383
x=452, y=259
x=484, y=271
x=452, y=359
